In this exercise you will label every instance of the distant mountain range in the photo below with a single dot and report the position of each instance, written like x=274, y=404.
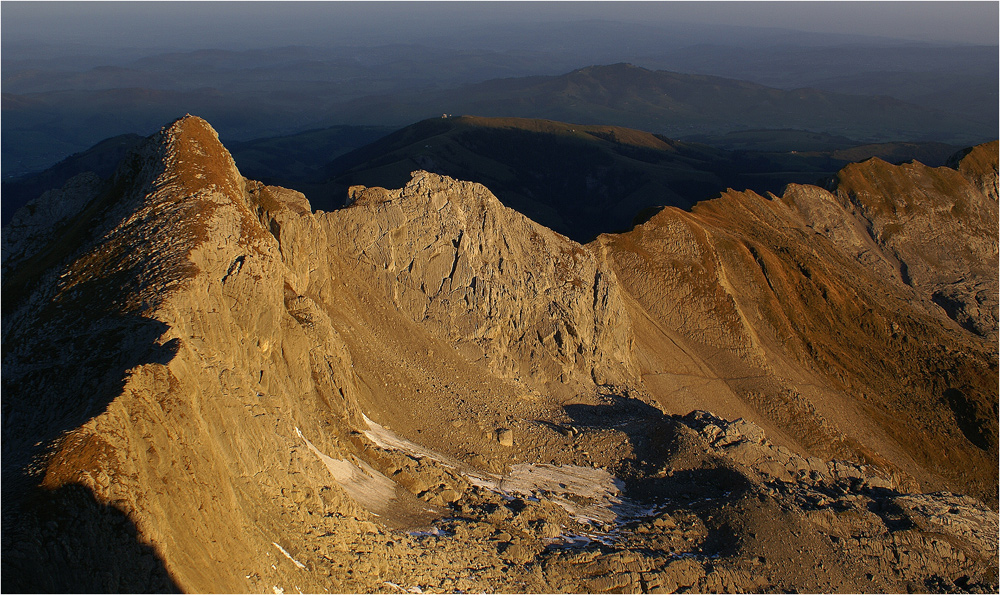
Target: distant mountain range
x=50, y=114
x=960, y=79
x=677, y=105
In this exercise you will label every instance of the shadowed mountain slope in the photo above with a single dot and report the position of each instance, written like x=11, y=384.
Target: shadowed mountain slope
x=297, y=160
x=578, y=180
x=101, y=159
x=428, y=389
x=61, y=98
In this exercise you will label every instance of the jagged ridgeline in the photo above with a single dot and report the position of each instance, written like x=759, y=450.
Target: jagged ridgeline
x=209, y=387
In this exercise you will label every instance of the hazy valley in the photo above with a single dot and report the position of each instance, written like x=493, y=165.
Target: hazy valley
x=60, y=98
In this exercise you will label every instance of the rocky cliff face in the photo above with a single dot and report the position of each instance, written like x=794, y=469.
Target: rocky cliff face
x=208, y=387
x=524, y=300
x=935, y=229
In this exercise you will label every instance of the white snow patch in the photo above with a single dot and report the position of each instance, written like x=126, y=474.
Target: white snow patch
x=590, y=495
x=364, y=484
x=581, y=539
x=433, y=532
x=387, y=439
x=287, y=555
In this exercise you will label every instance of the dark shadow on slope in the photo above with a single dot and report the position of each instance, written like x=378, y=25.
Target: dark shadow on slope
x=968, y=418
x=647, y=429
x=693, y=488
x=884, y=505
x=65, y=541
x=701, y=487
x=66, y=357
x=615, y=409
x=102, y=159
x=655, y=439
x=73, y=330
x=56, y=382
x=649, y=478
x=958, y=310
x=68, y=343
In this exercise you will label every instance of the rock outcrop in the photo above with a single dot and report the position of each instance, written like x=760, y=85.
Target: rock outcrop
x=528, y=302
x=208, y=387
x=935, y=229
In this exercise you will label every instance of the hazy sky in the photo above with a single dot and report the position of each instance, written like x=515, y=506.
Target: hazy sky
x=260, y=24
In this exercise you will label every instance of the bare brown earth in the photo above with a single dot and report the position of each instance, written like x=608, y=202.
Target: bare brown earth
x=207, y=387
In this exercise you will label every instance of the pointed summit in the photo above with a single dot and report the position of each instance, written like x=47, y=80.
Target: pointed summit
x=192, y=155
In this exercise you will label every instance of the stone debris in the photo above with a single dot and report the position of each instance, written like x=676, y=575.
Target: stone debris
x=505, y=436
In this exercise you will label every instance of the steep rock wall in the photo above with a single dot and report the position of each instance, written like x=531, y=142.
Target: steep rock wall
x=529, y=303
